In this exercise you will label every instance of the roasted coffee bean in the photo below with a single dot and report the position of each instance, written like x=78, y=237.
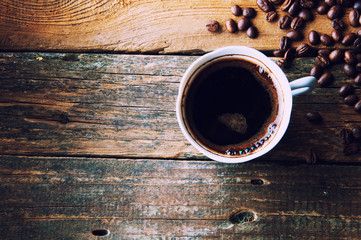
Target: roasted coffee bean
x=284, y=22
x=351, y=100
x=307, y=4
x=252, y=32
x=358, y=67
x=278, y=53
x=357, y=5
x=336, y=36
x=353, y=18
x=283, y=63
x=334, y=12
x=345, y=90
x=357, y=79
x=264, y=5
x=338, y=24
x=322, y=8
x=357, y=106
x=236, y=10
x=326, y=79
x=294, y=8
x=213, y=26
x=289, y=55
x=297, y=23
x=244, y=24
x=231, y=26
x=323, y=60
x=357, y=43
x=303, y=50
x=295, y=35
x=324, y=51
x=345, y=3
x=336, y=56
x=314, y=37
x=330, y=2
x=326, y=40
x=356, y=131
x=285, y=43
x=348, y=39
x=314, y=117
x=249, y=12
x=277, y=2
x=358, y=57
x=286, y=5
x=305, y=14
x=349, y=57
x=349, y=70
x=271, y=16
x=346, y=136
x=351, y=149
x=316, y=71
x=312, y=157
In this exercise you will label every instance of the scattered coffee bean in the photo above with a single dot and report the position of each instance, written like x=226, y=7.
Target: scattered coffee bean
x=338, y=24
x=303, y=50
x=348, y=39
x=314, y=37
x=330, y=2
x=345, y=90
x=322, y=8
x=284, y=22
x=357, y=43
x=349, y=70
x=277, y=2
x=283, y=63
x=295, y=35
x=357, y=79
x=213, y=26
x=271, y=16
x=264, y=5
x=236, y=10
x=336, y=36
x=326, y=79
x=326, y=40
x=305, y=14
x=354, y=17
x=351, y=100
x=314, y=117
x=322, y=60
x=249, y=12
x=357, y=106
x=346, y=136
x=351, y=149
x=316, y=71
x=358, y=57
x=231, y=26
x=278, y=53
x=307, y=4
x=296, y=23
x=336, y=56
x=252, y=32
x=357, y=5
x=285, y=43
x=334, y=12
x=289, y=55
x=324, y=51
x=349, y=57
x=312, y=157
x=244, y=24
x=356, y=131
x=294, y=9
x=286, y=5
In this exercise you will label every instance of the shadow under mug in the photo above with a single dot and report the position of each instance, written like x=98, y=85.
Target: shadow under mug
x=236, y=153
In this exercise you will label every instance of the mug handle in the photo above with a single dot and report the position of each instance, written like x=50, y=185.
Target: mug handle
x=303, y=85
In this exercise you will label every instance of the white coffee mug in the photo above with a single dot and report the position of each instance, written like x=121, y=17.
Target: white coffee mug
x=285, y=90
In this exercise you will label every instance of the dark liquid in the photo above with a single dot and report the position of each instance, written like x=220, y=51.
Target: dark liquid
x=231, y=93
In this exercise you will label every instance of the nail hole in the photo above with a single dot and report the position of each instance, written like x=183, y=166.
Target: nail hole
x=100, y=232
x=257, y=182
x=242, y=217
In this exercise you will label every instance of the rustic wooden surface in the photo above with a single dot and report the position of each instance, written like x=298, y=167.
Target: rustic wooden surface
x=90, y=145
x=155, y=26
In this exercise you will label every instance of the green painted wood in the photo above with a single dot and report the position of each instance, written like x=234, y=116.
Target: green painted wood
x=67, y=198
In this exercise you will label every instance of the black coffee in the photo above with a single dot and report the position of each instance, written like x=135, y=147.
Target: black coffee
x=231, y=106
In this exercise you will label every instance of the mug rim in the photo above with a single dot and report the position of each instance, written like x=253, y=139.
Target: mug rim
x=281, y=79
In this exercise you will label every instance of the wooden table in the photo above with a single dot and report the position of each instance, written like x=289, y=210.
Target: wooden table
x=90, y=145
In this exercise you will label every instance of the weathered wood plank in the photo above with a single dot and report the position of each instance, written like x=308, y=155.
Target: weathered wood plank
x=67, y=198
x=133, y=26
x=124, y=105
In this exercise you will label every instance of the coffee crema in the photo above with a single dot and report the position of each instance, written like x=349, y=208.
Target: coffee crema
x=231, y=106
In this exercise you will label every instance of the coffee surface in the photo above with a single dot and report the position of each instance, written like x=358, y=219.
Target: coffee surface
x=231, y=103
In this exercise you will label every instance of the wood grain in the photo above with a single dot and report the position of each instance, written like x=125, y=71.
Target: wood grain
x=124, y=106
x=67, y=198
x=155, y=26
